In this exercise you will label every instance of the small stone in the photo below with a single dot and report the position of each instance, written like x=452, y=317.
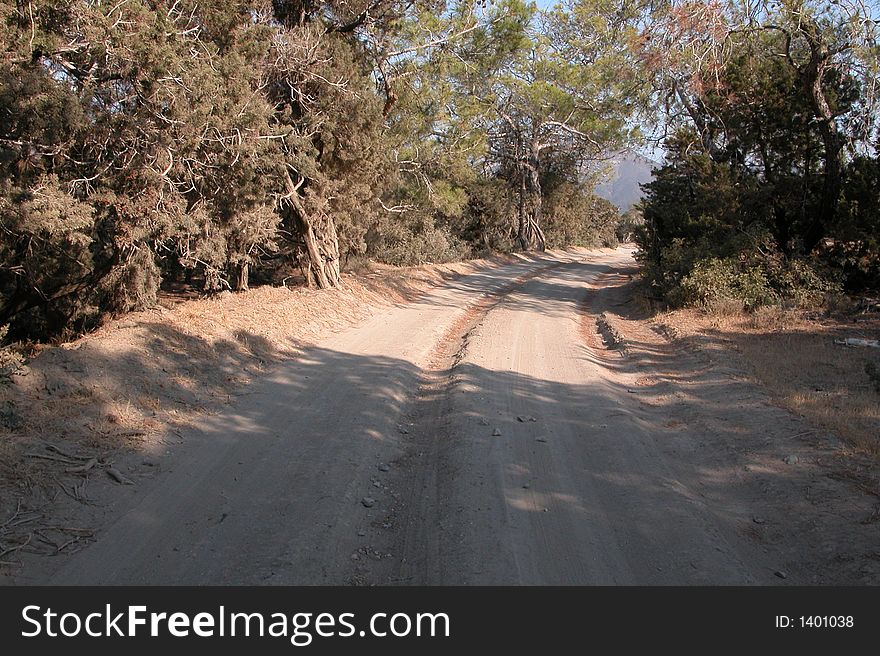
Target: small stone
x=522, y=419
x=496, y=432
x=526, y=486
x=780, y=574
x=384, y=467
x=117, y=476
x=361, y=534
x=368, y=502
x=355, y=556
x=403, y=431
x=377, y=484
x=58, y=388
x=540, y=439
x=483, y=421
x=792, y=460
x=759, y=520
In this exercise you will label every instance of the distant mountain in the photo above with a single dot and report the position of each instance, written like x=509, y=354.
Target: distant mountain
x=622, y=187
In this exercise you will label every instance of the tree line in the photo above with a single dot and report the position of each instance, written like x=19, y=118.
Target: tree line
x=149, y=142
x=157, y=142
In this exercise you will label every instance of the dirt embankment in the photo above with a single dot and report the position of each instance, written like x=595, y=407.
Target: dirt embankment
x=817, y=365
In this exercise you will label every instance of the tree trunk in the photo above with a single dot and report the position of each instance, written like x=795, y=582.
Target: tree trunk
x=523, y=219
x=531, y=237
x=537, y=235
x=321, y=240
x=706, y=137
x=812, y=74
x=306, y=267
x=832, y=183
x=314, y=252
x=325, y=230
x=239, y=275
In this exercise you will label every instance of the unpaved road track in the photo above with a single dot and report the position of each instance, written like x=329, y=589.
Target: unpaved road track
x=288, y=484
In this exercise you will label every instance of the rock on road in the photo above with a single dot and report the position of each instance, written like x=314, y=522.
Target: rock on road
x=369, y=460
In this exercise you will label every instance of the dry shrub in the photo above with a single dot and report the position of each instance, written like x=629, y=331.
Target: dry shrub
x=837, y=304
x=772, y=318
x=724, y=307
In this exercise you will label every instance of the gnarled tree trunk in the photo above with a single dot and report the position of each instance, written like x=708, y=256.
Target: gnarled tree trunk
x=812, y=78
x=321, y=240
x=322, y=246
x=530, y=235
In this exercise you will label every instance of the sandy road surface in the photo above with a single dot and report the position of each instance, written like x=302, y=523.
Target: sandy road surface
x=576, y=489
x=529, y=462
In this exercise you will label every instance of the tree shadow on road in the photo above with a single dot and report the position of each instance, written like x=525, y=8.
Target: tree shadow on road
x=633, y=483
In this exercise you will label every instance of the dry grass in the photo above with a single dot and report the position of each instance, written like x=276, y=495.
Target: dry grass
x=795, y=356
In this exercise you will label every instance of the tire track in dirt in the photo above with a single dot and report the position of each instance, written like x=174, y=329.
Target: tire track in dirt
x=427, y=470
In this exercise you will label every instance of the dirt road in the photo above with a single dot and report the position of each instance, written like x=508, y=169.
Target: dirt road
x=540, y=457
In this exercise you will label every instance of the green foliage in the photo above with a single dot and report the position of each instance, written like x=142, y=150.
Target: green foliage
x=855, y=249
x=631, y=222
x=756, y=200
x=144, y=143
x=754, y=282
x=418, y=241
x=489, y=220
x=575, y=217
x=123, y=138
x=714, y=280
